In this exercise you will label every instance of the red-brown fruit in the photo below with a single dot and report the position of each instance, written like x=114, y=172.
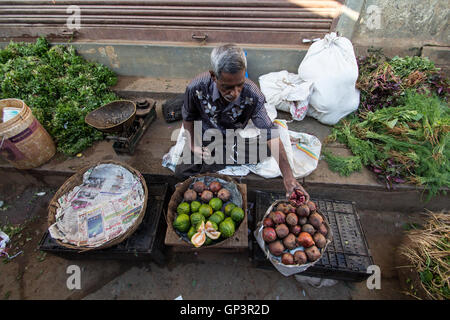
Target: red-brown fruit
x=305, y=240
x=283, y=207
x=215, y=186
x=315, y=220
x=190, y=195
x=290, y=242
x=199, y=187
x=302, y=221
x=312, y=206
x=206, y=196
x=282, y=230
x=323, y=230
x=276, y=248
x=268, y=222
x=295, y=230
x=320, y=240
x=300, y=257
x=269, y=234
x=290, y=208
x=302, y=211
x=279, y=217
x=287, y=258
x=224, y=195
x=313, y=253
x=291, y=219
x=308, y=228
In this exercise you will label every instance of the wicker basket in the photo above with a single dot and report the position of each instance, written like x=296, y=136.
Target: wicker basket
x=76, y=180
x=178, y=197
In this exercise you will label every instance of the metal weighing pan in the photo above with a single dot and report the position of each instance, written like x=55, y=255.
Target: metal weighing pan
x=116, y=116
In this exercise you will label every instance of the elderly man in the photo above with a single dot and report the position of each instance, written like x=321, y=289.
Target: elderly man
x=224, y=99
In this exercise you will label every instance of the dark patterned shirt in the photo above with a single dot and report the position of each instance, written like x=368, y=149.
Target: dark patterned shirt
x=202, y=102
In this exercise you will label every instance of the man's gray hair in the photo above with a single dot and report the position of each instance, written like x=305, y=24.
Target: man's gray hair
x=228, y=58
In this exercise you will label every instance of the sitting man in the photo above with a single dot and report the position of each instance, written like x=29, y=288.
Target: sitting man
x=224, y=99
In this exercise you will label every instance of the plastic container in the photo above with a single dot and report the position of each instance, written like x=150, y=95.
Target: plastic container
x=23, y=141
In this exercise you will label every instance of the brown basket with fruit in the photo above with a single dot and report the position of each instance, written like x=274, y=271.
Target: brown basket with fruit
x=293, y=234
x=208, y=211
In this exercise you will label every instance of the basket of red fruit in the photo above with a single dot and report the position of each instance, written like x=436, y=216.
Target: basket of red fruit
x=293, y=234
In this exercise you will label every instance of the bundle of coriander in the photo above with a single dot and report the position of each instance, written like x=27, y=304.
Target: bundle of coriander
x=59, y=86
x=401, y=129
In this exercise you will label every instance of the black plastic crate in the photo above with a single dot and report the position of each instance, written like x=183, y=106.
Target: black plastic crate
x=347, y=256
x=146, y=243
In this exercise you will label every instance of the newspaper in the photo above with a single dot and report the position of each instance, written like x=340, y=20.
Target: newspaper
x=102, y=208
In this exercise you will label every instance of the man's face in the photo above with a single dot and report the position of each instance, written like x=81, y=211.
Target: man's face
x=230, y=85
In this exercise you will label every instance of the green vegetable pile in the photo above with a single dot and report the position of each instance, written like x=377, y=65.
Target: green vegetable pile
x=59, y=86
x=401, y=131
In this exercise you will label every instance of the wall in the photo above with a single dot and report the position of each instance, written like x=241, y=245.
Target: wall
x=402, y=26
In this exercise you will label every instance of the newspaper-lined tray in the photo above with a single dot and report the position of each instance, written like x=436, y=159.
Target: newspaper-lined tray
x=99, y=206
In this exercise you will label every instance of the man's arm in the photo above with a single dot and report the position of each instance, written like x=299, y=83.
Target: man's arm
x=196, y=148
x=290, y=183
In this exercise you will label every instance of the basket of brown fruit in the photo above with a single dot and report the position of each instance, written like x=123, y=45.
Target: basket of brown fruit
x=293, y=234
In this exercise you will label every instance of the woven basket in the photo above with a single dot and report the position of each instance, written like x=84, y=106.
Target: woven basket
x=76, y=180
x=178, y=196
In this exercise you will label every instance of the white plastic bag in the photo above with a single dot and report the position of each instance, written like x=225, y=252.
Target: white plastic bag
x=331, y=65
x=286, y=92
x=302, y=151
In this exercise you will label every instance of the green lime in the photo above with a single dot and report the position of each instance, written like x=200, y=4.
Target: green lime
x=216, y=218
x=183, y=207
x=182, y=222
x=191, y=232
x=237, y=214
x=216, y=204
x=220, y=213
x=208, y=241
x=227, y=228
x=228, y=208
x=195, y=205
x=197, y=218
x=205, y=210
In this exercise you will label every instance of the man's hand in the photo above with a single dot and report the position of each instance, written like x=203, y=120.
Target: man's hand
x=201, y=152
x=290, y=184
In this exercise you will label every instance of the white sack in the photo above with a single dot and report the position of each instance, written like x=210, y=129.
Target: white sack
x=331, y=65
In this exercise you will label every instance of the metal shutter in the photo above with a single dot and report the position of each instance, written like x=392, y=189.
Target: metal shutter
x=283, y=22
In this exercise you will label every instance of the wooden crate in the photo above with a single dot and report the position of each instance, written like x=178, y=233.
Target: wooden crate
x=238, y=242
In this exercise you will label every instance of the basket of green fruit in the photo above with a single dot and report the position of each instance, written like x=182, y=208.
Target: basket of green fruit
x=208, y=210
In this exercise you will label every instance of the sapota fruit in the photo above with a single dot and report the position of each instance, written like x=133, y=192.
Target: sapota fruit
x=290, y=242
x=323, y=230
x=269, y=234
x=320, y=240
x=199, y=187
x=300, y=257
x=302, y=211
x=305, y=240
x=295, y=230
x=190, y=195
x=315, y=219
x=287, y=258
x=279, y=217
x=276, y=248
x=224, y=195
x=282, y=230
x=312, y=253
x=268, y=222
x=215, y=186
x=308, y=228
x=291, y=219
x=206, y=196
